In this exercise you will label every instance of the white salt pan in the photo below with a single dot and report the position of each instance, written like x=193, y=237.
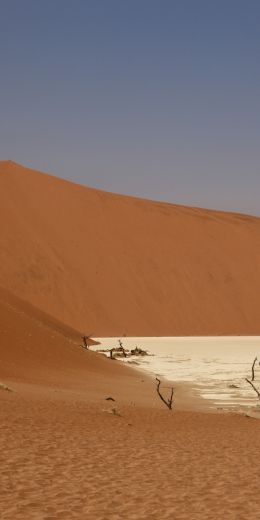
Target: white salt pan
x=212, y=364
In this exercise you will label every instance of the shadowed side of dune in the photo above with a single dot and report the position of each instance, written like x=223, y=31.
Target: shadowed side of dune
x=43, y=356
x=37, y=348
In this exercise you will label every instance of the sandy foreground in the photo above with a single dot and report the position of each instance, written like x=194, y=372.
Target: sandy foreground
x=65, y=454
x=63, y=457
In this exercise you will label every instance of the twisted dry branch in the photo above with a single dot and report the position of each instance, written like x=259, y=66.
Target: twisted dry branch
x=253, y=386
x=253, y=369
x=168, y=402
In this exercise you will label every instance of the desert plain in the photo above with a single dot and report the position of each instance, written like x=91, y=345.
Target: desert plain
x=78, y=261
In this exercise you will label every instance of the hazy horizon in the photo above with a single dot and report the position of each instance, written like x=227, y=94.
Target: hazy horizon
x=158, y=100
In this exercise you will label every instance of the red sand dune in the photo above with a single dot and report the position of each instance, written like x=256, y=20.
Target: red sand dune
x=111, y=265
x=39, y=350
x=65, y=455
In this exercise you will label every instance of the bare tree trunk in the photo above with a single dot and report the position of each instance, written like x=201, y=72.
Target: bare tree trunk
x=253, y=386
x=122, y=348
x=85, y=340
x=253, y=369
x=168, y=402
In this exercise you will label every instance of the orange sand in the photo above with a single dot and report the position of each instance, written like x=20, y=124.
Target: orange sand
x=108, y=265
x=65, y=456
x=74, y=259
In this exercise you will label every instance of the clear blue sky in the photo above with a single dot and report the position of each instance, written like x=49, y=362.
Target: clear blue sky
x=159, y=99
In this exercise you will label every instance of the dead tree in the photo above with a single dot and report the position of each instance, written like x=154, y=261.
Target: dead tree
x=168, y=402
x=253, y=378
x=111, y=353
x=122, y=348
x=253, y=386
x=85, y=340
x=253, y=369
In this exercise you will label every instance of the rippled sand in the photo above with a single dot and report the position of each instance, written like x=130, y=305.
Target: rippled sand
x=63, y=458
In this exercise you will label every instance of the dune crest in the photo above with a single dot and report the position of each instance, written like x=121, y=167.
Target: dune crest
x=111, y=265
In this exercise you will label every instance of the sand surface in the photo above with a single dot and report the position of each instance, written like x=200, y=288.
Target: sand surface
x=66, y=455
x=76, y=260
x=66, y=458
x=112, y=265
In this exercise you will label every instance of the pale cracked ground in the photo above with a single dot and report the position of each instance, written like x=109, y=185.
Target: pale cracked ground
x=66, y=459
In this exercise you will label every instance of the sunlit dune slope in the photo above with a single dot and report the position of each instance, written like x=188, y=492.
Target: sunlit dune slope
x=107, y=264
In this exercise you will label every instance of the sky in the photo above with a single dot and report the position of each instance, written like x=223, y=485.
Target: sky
x=157, y=99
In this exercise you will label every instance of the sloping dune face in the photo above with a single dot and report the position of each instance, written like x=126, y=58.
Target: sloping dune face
x=37, y=349
x=112, y=265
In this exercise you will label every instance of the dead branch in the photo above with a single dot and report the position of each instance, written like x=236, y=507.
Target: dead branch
x=253, y=386
x=138, y=352
x=168, y=402
x=121, y=348
x=253, y=369
x=85, y=340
